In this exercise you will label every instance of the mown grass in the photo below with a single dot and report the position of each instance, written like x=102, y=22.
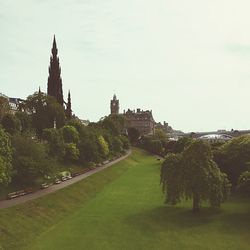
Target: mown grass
x=122, y=208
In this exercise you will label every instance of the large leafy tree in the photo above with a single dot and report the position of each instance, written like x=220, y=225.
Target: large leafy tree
x=233, y=157
x=88, y=145
x=114, y=124
x=30, y=158
x=103, y=146
x=194, y=175
x=25, y=121
x=70, y=134
x=4, y=106
x=45, y=110
x=5, y=158
x=244, y=183
x=56, y=144
x=133, y=134
x=11, y=123
x=71, y=152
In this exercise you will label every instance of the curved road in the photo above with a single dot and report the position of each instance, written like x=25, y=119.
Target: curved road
x=54, y=188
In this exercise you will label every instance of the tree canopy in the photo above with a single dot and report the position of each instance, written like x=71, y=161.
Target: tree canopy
x=5, y=158
x=45, y=110
x=233, y=157
x=194, y=175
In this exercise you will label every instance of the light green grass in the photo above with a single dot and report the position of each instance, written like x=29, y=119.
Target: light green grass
x=122, y=208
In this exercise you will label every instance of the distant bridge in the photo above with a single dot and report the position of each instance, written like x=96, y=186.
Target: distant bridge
x=233, y=133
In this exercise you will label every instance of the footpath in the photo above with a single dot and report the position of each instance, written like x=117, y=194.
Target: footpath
x=54, y=188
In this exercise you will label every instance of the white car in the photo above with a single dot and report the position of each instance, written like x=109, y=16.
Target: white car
x=57, y=181
x=64, y=178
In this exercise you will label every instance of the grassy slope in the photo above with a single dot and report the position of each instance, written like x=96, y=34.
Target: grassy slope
x=19, y=225
x=128, y=213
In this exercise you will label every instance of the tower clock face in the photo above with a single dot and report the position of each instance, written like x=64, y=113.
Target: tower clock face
x=113, y=104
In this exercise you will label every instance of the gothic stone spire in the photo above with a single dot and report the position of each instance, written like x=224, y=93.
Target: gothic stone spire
x=54, y=79
x=68, y=109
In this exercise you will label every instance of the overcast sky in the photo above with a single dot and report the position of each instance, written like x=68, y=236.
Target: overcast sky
x=188, y=61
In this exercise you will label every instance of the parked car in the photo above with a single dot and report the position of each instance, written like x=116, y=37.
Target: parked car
x=69, y=177
x=44, y=185
x=12, y=195
x=57, y=181
x=75, y=174
x=16, y=194
x=28, y=190
x=64, y=178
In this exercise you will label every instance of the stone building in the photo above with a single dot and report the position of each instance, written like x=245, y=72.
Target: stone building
x=165, y=127
x=139, y=119
x=15, y=104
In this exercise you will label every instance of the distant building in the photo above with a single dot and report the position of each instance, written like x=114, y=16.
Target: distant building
x=85, y=122
x=15, y=104
x=143, y=121
x=165, y=127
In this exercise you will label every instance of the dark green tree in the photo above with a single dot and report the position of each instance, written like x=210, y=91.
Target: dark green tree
x=55, y=141
x=45, y=111
x=233, y=157
x=125, y=141
x=30, y=158
x=4, y=107
x=117, y=145
x=194, y=175
x=114, y=123
x=243, y=186
x=11, y=123
x=5, y=158
x=70, y=134
x=133, y=135
x=25, y=121
x=71, y=152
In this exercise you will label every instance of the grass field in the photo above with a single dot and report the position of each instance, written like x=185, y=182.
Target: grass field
x=122, y=208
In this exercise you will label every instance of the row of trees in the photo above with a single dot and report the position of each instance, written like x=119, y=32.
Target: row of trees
x=31, y=147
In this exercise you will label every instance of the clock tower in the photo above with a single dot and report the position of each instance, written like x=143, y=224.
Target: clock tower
x=114, y=106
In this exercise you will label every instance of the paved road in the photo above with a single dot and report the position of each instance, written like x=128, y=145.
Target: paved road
x=54, y=188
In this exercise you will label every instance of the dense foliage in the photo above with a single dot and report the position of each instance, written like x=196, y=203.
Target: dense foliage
x=244, y=183
x=233, y=157
x=155, y=143
x=5, y=158
x=193, y=174
x=41, y=137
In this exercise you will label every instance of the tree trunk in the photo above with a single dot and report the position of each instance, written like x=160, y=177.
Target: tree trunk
x=196, y=203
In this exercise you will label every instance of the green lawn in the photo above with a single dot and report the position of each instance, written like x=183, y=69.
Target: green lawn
x=122, y=208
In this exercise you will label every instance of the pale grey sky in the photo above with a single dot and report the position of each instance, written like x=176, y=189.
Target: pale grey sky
x=188, y=61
